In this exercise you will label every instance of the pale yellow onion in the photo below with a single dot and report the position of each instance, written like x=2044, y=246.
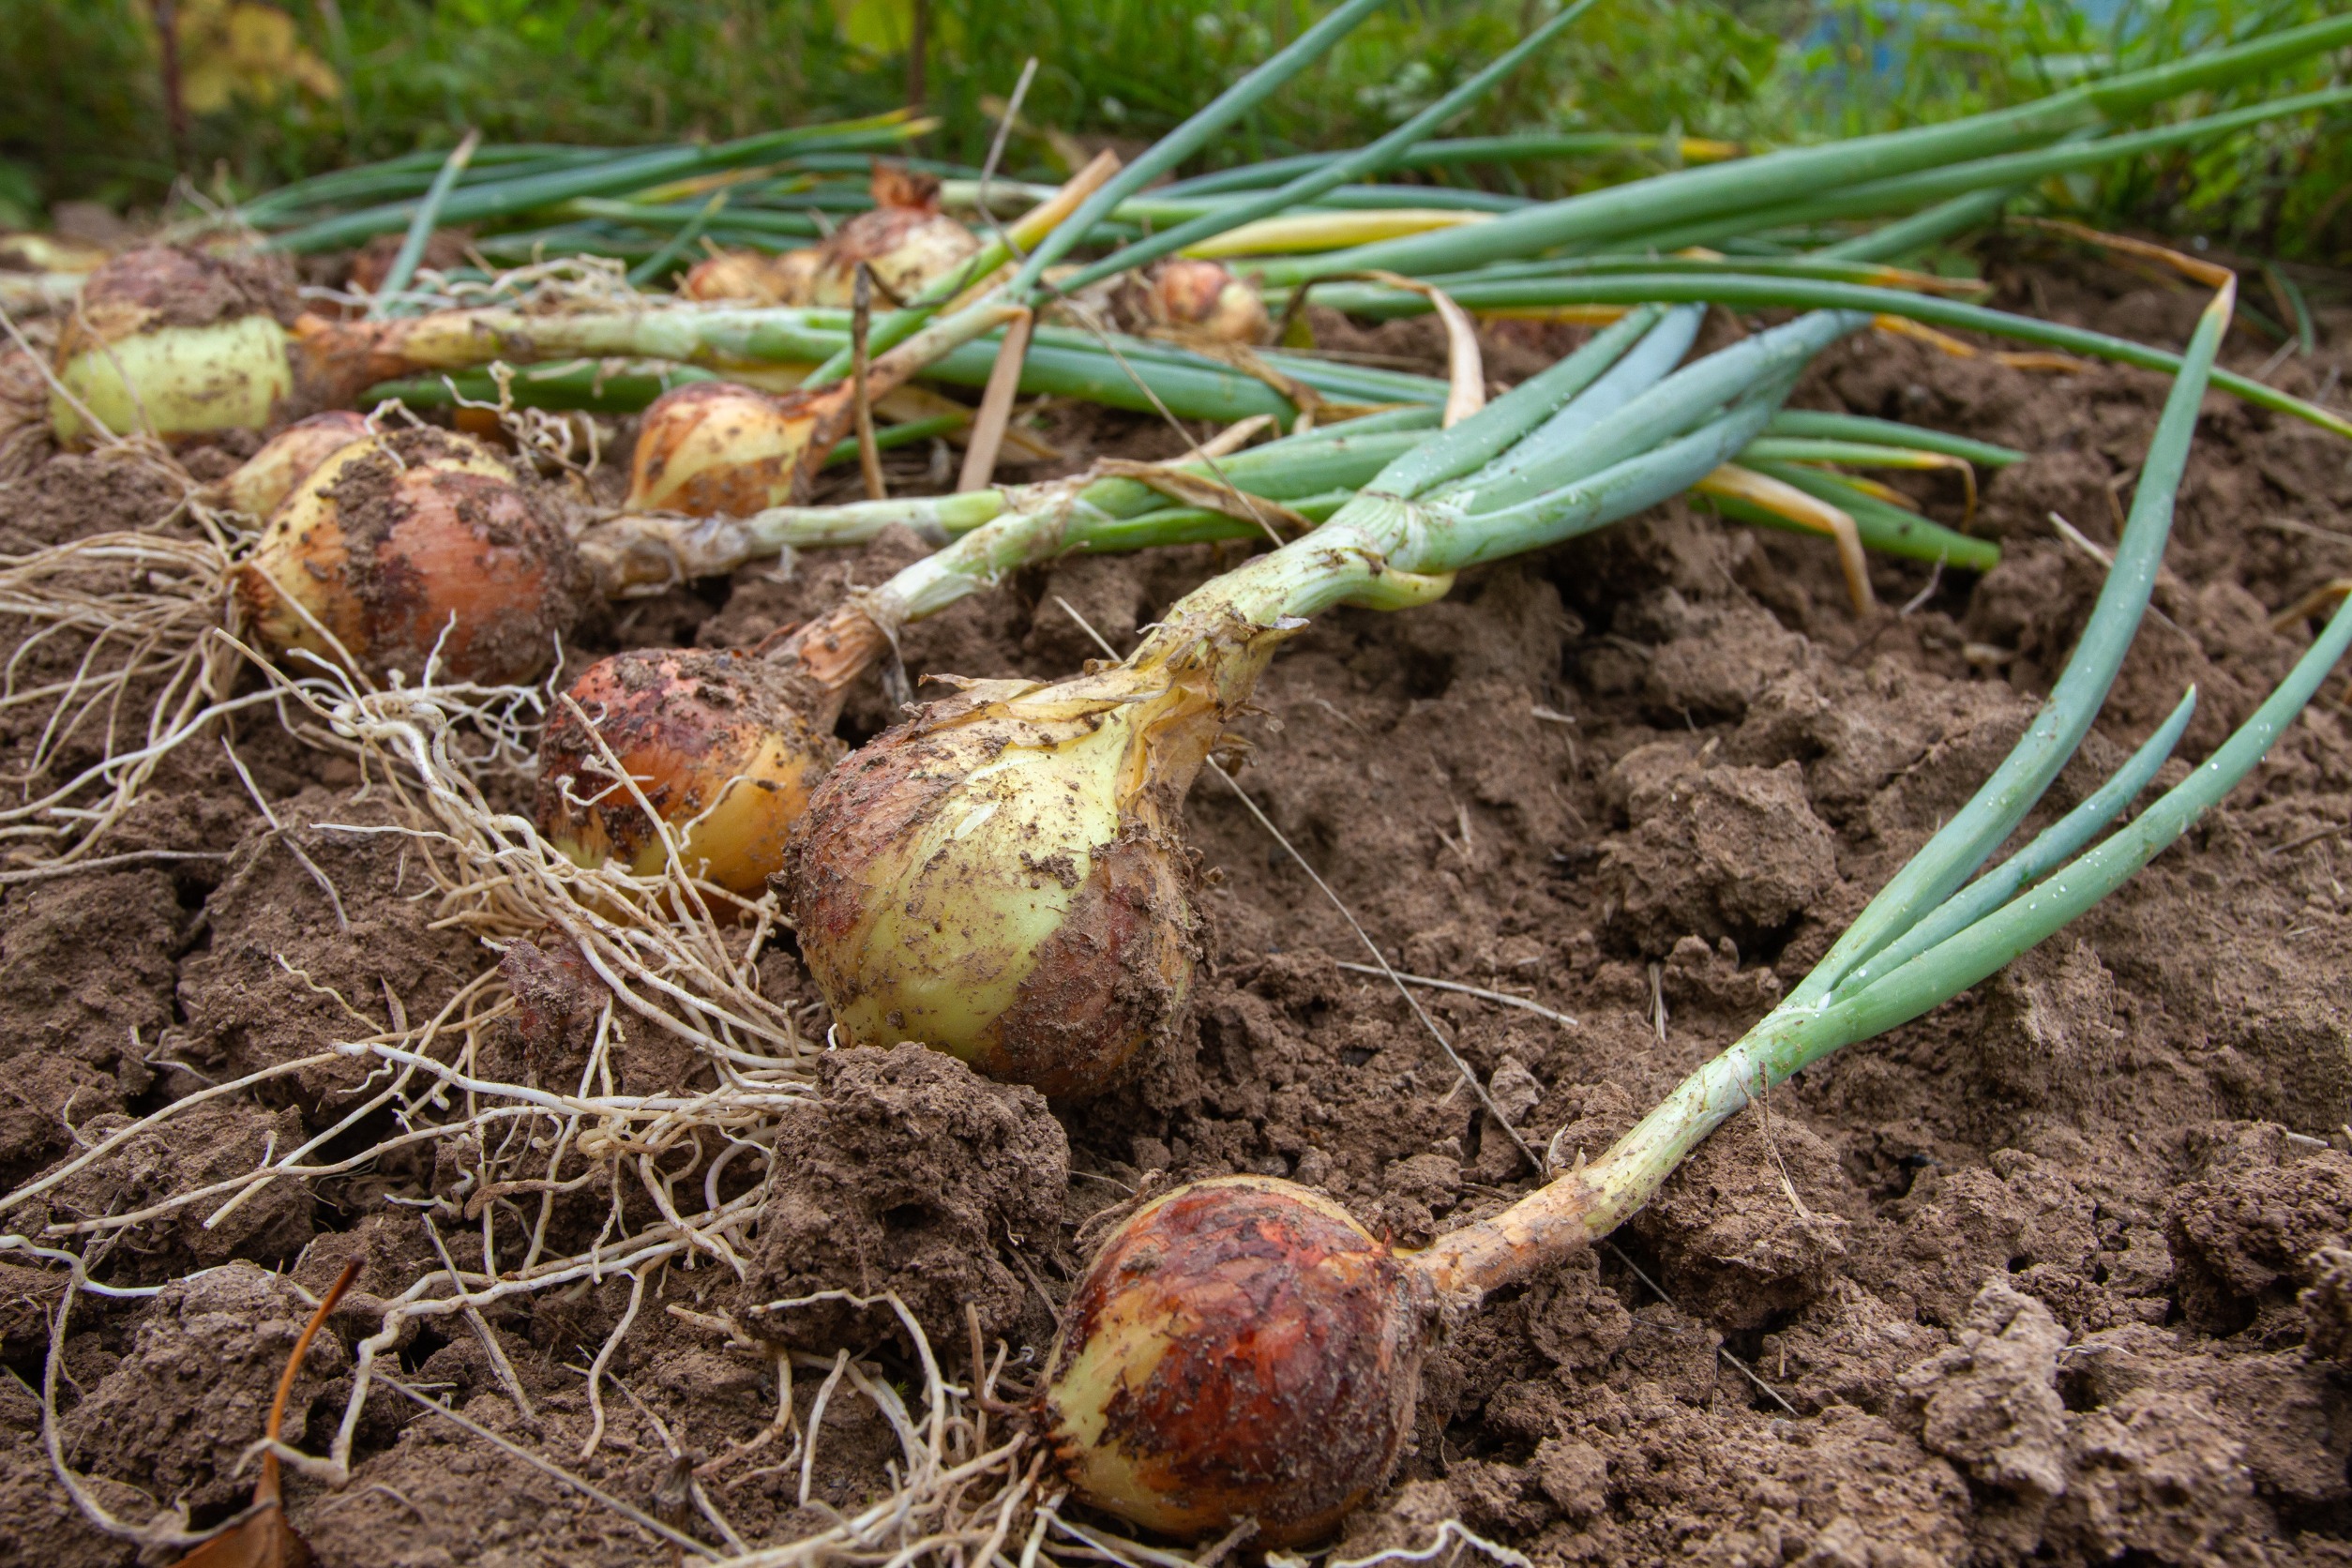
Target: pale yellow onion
x=287, y=458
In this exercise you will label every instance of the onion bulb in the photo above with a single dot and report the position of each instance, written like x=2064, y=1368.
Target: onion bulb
x=751, y=275
x=1239, y=1349
x=715, y=744
x=1002, y=878
x=401, y=543
x=906, y=241
x=715, y=448
x=287, y=458
x=177, y=342
x=1204, y=298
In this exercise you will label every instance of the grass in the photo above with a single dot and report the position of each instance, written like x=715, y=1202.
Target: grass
x=415, y=73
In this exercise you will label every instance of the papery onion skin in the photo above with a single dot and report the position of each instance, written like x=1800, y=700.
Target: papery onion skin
x=713, y=448
x=198, y=339
x=998, y=883
x=391, y=539
x=287, y=458
x=1239, y=1348
x=713, y=734
x=751, y=275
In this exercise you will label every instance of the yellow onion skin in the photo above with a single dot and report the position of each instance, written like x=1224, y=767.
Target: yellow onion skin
x=287, y=458
x=1000, y=878
x=1239, y=1348
x=712, y=738
x=390, y=539
x=1204, y=297
x=713, y=448
x=176, y=341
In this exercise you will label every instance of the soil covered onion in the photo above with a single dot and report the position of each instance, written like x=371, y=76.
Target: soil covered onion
x=410, y=542
x=1239, y=1348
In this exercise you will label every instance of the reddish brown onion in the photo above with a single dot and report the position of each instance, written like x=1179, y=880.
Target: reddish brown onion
x=1239, y=1348
x=716, y=747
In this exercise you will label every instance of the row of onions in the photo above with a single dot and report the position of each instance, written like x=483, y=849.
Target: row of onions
x=1004, y=877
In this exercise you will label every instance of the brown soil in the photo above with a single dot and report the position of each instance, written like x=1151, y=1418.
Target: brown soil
x=2057, y=1274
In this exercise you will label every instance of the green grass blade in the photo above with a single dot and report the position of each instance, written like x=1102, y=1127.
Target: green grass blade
x=1953, y=854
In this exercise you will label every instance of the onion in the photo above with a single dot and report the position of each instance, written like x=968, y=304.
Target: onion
x=1238, y=1348
x=1002, y=877
x=179, y=341
x=715, y=448
x=906, y=241
x=400, y=543
x=287, y=458
x=715, y=745
x=1203, y=297
x=752, y=274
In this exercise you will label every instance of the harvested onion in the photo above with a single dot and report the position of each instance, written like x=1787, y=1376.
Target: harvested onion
x=179, y=341
x=1202, y=298
x=905, y=241
x=1003, y=878
x=402, y=543
x=715, y=744
x=1239, y=1349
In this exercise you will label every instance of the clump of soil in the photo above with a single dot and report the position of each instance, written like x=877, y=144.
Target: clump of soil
x=193, y=1393
x=909, y=1174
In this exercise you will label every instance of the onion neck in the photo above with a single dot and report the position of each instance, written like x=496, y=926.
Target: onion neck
x=1582, y=1205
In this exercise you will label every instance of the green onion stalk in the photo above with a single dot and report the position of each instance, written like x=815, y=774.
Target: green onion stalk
x=1756, y=185
x=1242, y=1349
x=1003, y=876
x=174, y=346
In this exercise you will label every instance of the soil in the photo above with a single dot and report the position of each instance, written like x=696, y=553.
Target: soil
x=2059, y=1274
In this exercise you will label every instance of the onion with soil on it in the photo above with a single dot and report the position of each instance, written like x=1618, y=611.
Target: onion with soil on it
x=262, y=481
x=754, y=732
x=411, y=547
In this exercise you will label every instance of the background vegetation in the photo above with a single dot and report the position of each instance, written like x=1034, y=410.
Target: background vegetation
x=272, y=92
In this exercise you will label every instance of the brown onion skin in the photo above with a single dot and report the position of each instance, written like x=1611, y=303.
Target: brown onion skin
x=389, y=538
x=906, y=241
x=741, y=274
x=692, y=726
x=712, y=448
x=1239, y=1348
x=1204, y=297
